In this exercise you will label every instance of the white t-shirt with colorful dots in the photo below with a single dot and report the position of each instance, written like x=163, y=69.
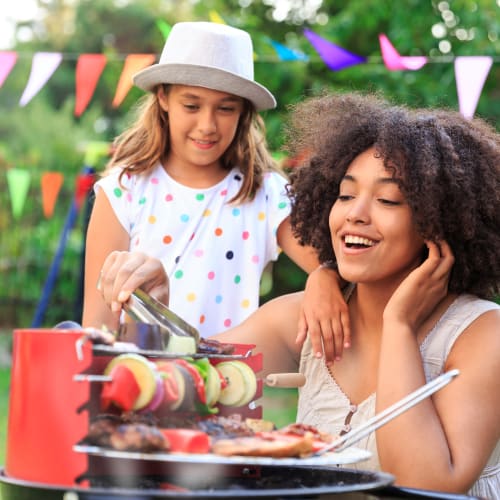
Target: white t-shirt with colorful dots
x=213, y=252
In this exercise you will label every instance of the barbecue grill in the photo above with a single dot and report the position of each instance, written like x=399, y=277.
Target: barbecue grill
x=53, y=400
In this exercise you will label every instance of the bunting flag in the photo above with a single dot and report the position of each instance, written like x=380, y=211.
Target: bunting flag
x=287, y=54
x=51, y=183
x=84, y=183
x=7, y=62
x=18, y=182
x=470, y=74
x=164, y=27
x=42, y=68
x=471, y=71
x=133, y=64
x=335, y=57
x=394, y=62
x=215, y=18
x=88, y=70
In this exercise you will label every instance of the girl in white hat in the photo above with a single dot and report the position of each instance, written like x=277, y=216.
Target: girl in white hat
x=192, y=184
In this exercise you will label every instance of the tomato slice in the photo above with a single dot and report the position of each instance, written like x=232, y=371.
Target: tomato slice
x=187, y=440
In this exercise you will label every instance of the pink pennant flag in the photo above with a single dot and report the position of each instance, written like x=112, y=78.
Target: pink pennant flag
x=133, y=64
x=88, y=71
x=43, y=66
x=7, y=62
x=51, y=183
x=335, y=57
x=18, y=181
x=394, y=62
x=470, y=74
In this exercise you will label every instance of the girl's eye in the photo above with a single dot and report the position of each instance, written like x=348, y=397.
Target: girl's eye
x=191, y=107
x=227, y=109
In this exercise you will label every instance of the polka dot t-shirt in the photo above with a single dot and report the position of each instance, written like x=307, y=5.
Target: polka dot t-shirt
x=213, y=252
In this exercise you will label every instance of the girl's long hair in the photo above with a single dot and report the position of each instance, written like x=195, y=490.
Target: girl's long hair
x=146, y=143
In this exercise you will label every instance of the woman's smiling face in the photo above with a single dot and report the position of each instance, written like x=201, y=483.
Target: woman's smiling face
x=373, y=234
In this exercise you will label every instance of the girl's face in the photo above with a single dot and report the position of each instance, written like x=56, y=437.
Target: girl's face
x=202, y=124
x=373, y=234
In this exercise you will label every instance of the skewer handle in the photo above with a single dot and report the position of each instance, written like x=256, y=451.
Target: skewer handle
x=288, y=380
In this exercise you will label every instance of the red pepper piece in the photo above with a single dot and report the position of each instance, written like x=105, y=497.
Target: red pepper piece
x=187, y=440
x=122, y=391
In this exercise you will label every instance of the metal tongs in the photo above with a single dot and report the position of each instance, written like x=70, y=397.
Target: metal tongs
x=389, y=413
x=144, y=308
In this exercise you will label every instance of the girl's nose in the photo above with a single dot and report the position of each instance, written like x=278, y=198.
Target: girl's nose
x=207, y=123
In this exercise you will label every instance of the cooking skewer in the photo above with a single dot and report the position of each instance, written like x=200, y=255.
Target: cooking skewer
x=389, y=413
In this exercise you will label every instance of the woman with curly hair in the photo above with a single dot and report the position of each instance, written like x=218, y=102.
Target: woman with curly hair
x=407, y=204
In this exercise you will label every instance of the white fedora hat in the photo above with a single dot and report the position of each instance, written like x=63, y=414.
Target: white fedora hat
x=211, y=55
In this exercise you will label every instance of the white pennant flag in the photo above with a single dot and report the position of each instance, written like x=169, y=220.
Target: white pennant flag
x=470, y=74
x=42, y=67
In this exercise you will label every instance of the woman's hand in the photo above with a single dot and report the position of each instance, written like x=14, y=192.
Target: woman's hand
x=124, y=272
x=421, y=291
x=324, y=315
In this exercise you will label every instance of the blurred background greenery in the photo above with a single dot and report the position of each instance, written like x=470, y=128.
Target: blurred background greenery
x=45, y=135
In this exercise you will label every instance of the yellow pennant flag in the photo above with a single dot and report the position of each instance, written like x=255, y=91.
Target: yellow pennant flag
x=215, y=18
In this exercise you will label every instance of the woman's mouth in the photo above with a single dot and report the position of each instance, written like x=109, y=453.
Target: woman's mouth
x=353, y=241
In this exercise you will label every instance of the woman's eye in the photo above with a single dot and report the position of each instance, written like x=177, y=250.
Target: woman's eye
x=344, y=197
x=389, y=202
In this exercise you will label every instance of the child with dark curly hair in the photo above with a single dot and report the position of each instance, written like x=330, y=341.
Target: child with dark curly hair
x=407, y=204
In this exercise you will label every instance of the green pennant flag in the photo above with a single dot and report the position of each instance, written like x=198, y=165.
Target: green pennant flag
x=18, y=181
x=164, y=27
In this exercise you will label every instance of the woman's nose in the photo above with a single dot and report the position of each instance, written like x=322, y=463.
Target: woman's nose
x=358, y=213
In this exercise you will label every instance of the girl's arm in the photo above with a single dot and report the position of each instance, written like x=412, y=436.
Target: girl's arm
x=118, y=271
x=324, y=313
x=105, y=234
x=444, y=442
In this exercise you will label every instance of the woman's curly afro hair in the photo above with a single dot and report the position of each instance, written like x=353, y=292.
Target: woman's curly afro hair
x=447, y=167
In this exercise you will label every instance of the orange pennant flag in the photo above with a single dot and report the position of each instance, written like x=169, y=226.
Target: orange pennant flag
x=51, y=183
x=133, y=64
x=88, y=70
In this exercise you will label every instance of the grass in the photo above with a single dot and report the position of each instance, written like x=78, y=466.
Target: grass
x=4, y=408
x=5, y=350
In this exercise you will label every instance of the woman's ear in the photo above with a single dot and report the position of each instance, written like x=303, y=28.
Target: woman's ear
x=162, y=98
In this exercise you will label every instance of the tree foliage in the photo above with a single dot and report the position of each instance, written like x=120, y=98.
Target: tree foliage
x=44, y=135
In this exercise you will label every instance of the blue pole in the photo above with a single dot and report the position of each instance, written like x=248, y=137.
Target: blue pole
x=56, y=261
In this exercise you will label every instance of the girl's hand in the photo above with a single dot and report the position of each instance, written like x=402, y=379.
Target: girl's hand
x=124, y=272
x=324, y=315
x=421, y=291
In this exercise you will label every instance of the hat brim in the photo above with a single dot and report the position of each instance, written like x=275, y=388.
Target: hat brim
x=205, y=76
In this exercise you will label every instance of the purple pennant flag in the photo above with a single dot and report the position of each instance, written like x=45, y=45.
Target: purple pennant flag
x=335, y=57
